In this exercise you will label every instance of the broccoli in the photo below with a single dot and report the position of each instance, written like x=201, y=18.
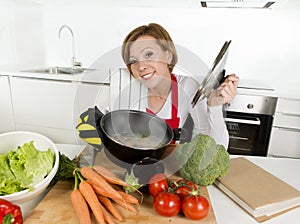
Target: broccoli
x=202, y=160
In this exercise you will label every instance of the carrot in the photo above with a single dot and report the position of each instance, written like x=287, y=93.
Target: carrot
x=103, y=192
x=106, y=215
x=91, y=197
x=81, y=207
x=111, y=208
x=129, y=198
x=99, y=181
x=109, y=176
x=126, y=205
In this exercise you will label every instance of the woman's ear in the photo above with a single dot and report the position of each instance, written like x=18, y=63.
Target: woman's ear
x=169, y=57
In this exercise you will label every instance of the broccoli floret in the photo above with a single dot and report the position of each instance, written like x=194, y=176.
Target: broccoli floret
x=202, y=160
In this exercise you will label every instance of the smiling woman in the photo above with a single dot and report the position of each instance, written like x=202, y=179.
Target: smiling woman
x=150, y=56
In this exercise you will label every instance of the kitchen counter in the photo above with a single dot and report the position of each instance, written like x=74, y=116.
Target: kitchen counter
x=97, y=75
x=225, y=210
x=101, y=75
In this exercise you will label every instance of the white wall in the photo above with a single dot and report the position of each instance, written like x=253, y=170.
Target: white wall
x=6, y=38
x=265, y=43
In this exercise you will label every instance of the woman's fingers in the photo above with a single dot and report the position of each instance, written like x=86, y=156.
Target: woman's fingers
x=225, y=92
x=228, y=88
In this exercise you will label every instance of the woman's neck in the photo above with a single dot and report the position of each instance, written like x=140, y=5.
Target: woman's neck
x=158, y=96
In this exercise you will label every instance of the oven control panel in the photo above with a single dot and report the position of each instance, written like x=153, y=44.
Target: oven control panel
x=253, y=104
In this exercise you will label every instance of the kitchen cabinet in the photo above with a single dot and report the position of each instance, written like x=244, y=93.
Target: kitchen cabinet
x=6, y=118
x=285, y=137
x=45, y=106
x=91, y=94
x=52, y=107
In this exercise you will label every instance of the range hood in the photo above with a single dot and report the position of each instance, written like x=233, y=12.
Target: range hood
x=256, y=4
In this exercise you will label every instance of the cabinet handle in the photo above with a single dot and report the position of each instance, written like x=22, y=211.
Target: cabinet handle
x=290, y=114
x=289, y=129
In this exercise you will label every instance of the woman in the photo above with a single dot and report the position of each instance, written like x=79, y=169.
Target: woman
x=150, y=56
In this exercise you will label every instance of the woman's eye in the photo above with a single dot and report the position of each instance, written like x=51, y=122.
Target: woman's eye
x=132, y=61
x=149, y=54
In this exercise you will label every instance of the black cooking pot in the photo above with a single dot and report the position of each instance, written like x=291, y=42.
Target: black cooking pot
x=131, y=136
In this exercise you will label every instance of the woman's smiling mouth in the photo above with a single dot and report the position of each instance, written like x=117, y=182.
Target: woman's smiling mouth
x=147, y=76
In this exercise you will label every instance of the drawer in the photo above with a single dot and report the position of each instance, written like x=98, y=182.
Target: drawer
x=288, y=106
x=287, y=120
x=284, y=142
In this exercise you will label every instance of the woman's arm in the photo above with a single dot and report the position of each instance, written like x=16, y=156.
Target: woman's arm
x=209, y=120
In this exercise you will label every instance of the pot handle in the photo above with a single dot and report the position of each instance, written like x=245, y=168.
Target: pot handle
x=89, y=127
x=182, y=135
x=177, y=133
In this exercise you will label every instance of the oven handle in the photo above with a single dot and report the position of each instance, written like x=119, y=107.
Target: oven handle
x=243, y=121
x=239, y=138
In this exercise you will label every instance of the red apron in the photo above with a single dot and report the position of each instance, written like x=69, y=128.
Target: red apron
x=174, y=121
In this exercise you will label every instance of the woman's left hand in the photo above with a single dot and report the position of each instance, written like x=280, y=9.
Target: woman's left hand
x=225, y=92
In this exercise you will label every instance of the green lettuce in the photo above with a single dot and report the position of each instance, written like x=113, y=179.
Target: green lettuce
x=23, y=168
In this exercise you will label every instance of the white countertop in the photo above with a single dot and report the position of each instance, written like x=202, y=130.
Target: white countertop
x=101, y=75
x=95, y=76
x=227, y=211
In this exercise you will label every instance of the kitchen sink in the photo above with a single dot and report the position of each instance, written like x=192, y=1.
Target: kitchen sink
x=59, y=70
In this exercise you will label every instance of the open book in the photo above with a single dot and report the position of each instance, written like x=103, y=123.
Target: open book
x=257, y=191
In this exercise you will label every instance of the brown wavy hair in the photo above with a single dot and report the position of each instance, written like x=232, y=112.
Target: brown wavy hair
x=163, y=38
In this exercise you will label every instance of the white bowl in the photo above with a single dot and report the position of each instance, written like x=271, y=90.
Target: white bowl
x=26, y=199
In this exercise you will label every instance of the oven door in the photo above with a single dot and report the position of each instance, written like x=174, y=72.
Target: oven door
x=249, y=134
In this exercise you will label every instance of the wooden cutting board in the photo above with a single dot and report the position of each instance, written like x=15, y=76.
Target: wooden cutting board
x=56, y=207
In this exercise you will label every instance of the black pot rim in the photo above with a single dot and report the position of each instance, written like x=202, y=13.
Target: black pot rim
x=169, y=129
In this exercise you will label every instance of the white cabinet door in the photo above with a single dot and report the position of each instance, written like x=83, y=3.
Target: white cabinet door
x=285, y=142
x=288, y=106
x=285, y=137
x=6, y=118
x=92, y=94
x=45, y=106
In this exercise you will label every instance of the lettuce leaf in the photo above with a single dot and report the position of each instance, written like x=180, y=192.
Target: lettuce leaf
x=23, y=168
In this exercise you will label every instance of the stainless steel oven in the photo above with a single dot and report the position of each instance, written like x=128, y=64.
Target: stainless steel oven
x=249, y=119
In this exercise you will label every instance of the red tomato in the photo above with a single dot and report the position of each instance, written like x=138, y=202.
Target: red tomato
x=195, y=207
x=183, y=191
x=183, y=182
x=167, y=204
x=158, y=183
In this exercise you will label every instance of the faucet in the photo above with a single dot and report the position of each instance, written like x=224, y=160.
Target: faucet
x=75, y=63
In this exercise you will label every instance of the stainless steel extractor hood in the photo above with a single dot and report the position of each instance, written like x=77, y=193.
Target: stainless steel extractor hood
x=261, y=4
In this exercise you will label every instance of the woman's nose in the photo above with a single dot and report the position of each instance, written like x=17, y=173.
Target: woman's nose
x=142, y=65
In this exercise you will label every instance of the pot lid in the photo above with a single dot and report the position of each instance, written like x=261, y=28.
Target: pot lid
x=215, y=75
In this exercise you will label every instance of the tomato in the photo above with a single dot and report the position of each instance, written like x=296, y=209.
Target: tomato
x=195, y=207
x=158, y=183
x=183, y=182
x=183, y=191
x=167, y=204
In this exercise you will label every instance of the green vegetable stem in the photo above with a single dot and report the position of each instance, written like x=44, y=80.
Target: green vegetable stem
x=66, y=169
x=10, y=213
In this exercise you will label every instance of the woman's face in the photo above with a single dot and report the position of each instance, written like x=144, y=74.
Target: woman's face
x=149, y=63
